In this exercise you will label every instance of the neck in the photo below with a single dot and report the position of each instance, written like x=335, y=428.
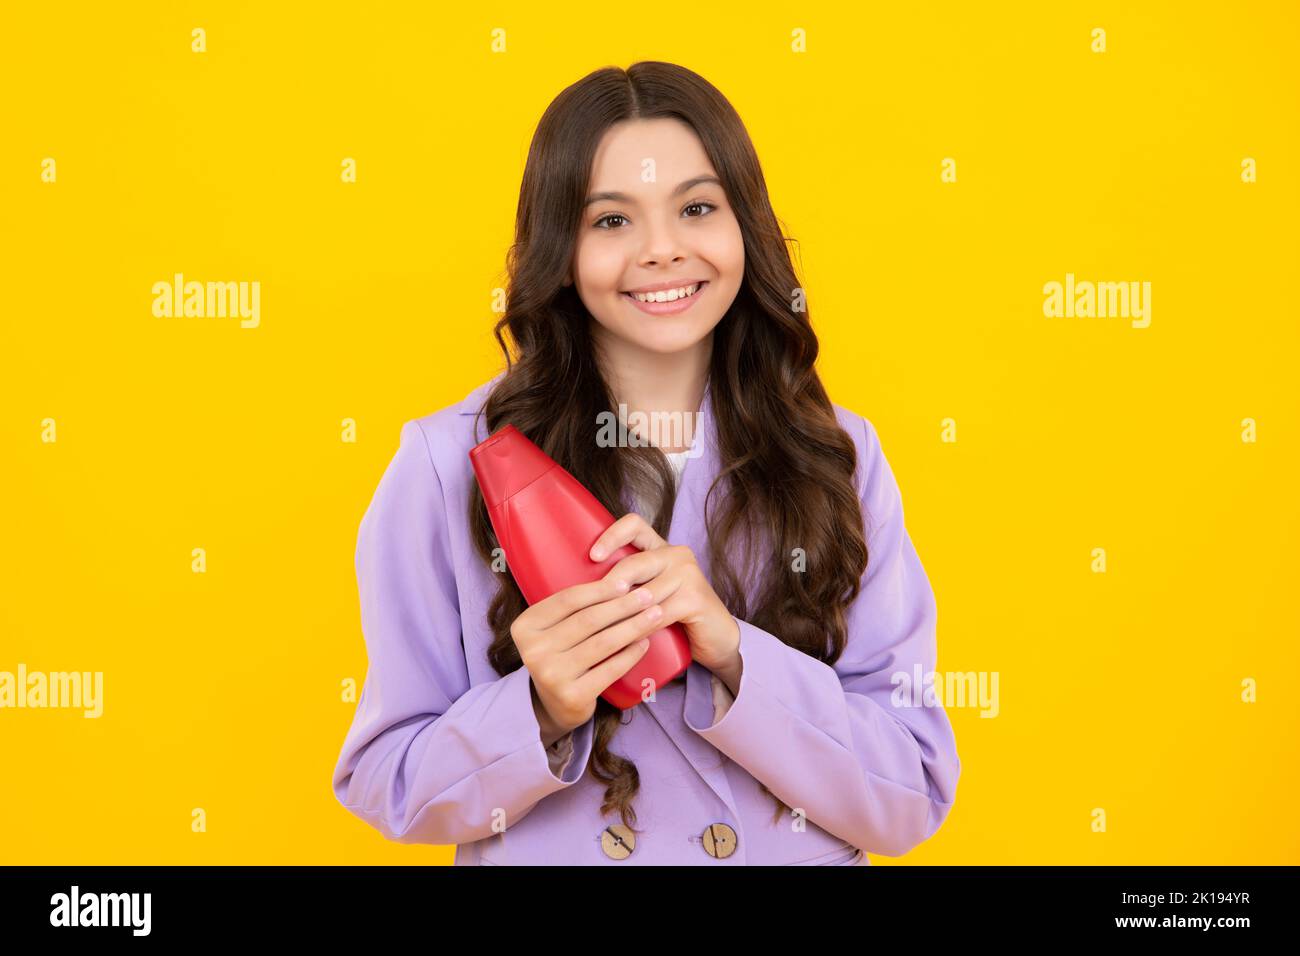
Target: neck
x=653, y=384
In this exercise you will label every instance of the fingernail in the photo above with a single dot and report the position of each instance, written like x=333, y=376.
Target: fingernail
x=644, y=596
x=623, y=586
x=597, y=553
x=654, y=612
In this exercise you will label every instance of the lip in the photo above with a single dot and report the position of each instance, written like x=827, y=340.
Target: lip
x=668, y=308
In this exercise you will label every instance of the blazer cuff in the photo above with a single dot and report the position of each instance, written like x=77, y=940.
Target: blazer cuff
x=560, y=753
x=767, y=690
x=576, y=743
x=542, y=761
x=567, y=757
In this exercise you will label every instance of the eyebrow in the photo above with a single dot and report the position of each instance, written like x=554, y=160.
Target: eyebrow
x=624, y=197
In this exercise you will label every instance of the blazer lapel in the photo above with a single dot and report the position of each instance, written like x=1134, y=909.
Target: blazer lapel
x=687, y=527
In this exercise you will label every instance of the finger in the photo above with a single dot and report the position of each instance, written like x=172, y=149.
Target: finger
x=600, y=645
x=643, y=566
x=677, y=608
x=661, y=586
x=629, y=529
x=598, y=678
x=614, y=650
x=557, y=607
x=589, y=621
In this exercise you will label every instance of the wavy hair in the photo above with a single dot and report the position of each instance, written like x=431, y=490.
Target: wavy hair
x=781, y=487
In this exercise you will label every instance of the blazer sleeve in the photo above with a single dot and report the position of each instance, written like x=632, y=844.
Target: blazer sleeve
x=832, y=740
x=429, y=758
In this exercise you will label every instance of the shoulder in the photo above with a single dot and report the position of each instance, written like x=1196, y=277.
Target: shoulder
x=873, y=477
x=867, y=442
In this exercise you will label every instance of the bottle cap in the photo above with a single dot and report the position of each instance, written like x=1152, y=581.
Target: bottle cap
x=506, y=463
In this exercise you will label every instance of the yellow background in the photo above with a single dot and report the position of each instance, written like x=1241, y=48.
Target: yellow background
x=1119, y=691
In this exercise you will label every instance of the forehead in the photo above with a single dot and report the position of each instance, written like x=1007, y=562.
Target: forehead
x=633, y=151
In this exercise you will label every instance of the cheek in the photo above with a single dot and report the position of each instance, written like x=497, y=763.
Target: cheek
x=600, y=267
x=725, y=249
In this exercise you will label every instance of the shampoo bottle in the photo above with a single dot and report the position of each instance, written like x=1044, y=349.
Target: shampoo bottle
x=546, y=522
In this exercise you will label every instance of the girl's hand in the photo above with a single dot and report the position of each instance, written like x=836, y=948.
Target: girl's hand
x=576, y=643
x=674, y=578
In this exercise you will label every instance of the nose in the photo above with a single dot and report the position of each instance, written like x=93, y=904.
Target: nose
x=662, y=245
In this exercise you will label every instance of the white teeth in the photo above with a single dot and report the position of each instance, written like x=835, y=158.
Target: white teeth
x=666, y=295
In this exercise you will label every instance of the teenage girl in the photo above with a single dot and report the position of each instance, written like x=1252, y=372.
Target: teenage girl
x=649, y=276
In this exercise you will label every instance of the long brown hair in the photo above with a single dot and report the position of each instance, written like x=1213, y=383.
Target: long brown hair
x=785, y=487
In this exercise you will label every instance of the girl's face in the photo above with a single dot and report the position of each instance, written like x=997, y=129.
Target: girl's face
x=656, y=218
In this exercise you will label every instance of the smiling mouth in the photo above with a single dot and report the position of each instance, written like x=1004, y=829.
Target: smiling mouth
x=699, y=287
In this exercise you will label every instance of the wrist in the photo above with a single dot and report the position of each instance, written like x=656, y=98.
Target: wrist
x=550, y=730
x=729, y=671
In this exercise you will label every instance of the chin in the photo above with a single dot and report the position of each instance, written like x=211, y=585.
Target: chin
x=665, y=345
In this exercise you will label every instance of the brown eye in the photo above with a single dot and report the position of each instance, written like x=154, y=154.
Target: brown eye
x=606, y=218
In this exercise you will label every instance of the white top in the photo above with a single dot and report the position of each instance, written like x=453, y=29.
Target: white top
x=677, y=459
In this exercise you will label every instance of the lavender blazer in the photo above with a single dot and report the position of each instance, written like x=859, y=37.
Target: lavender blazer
x=443, y=750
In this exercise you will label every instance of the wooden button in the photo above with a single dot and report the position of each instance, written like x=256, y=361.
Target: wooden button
x=720, y=841
x=618, y=841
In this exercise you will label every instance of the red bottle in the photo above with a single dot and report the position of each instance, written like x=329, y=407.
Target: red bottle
x=547, y=522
